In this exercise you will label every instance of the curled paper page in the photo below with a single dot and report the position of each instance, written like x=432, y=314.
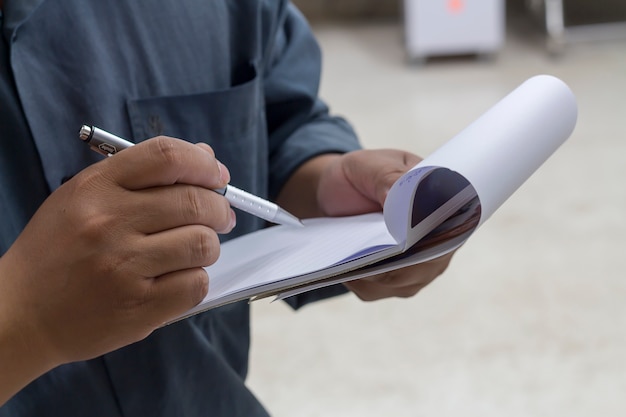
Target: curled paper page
x=508, y=143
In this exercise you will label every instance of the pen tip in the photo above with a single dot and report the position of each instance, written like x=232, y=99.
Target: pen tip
x=285, y=218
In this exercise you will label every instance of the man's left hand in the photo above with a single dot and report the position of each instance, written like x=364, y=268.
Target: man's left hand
x=357, y=183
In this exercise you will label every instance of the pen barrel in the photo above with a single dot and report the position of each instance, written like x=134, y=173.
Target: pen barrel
x=108, y=144
x=251, y=203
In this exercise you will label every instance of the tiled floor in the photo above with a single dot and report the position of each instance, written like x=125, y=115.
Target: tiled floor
x=530, y=319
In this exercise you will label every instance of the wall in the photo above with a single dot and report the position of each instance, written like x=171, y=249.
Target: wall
x=349, y=9
x=576, y=11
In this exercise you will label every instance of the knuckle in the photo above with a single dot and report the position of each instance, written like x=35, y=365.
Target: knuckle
x=135, y=298
x=96, y=230
x=205, y=247
x=119, y=264
x=200, y=287
x=200, y=206
x=166, y=151
x=192, y=205
x=95, y=226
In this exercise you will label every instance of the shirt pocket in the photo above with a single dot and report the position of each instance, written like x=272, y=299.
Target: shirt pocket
x=230, y=120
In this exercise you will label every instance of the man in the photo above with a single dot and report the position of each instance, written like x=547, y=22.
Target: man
x=97, y=254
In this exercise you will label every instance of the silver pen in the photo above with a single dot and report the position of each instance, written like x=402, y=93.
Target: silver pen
x=108, y=144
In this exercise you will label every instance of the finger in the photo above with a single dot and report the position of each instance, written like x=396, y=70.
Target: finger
x=164, y=161
x=161, y=208
x=177, y=249
x=420, y=274
x=171, y=295
x=373, y=173
x=405, y=282
x=407, y=277
x=225, y=173
x=372, y=291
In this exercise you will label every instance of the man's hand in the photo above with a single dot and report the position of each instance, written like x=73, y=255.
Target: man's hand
x=356, y=183
x=112, y=255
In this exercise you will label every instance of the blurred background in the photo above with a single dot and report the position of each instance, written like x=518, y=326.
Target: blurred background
x=530, y=318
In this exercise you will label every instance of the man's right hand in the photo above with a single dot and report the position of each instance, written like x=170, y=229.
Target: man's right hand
x=116, y=251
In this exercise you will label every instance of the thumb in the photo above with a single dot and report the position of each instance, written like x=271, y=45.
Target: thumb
x=373, y=172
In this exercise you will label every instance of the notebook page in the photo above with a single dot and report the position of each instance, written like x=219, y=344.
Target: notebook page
x=282, y=252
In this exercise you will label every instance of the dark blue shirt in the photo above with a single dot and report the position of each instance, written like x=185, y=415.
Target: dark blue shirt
x=240, y=75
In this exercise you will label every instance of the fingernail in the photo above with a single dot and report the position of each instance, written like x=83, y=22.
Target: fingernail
x=224, y=173
x=233, y=219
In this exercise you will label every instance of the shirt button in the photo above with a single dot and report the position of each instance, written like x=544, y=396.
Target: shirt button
x=155, y=125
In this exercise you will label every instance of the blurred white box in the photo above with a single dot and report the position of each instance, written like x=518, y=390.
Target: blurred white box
x=453, y=27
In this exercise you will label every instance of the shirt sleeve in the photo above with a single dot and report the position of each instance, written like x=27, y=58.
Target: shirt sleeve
x=298, y=121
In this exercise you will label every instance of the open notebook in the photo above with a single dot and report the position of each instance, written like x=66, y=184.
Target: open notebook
x=431, y=210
